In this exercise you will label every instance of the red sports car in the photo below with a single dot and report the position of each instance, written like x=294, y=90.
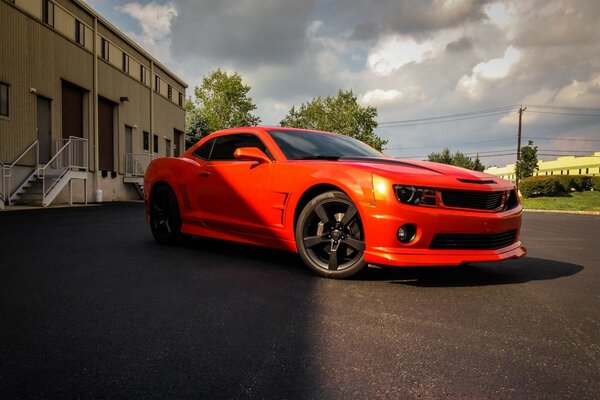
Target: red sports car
x=334, y=200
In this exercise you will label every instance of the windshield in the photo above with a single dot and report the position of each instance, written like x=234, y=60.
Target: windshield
x=307, y=145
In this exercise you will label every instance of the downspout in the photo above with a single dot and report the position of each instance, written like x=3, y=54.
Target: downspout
x=152, y=83
x=97, y=190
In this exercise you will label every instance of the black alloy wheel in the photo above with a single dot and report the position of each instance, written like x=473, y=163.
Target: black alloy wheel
x=165, y=221
x=330, y=236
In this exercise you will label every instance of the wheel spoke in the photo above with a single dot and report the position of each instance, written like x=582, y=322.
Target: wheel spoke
x=322, y=213
x=333, y=260
x=355, y=244
x=312, y=241
x=350, y=213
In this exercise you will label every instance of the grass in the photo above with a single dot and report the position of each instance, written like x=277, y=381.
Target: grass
x=575, y=201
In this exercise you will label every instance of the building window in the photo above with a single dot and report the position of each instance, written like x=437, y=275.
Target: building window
x=146, y=141
x=155, y=147
x=143, y=74
x=587, y=171
x=157, y=84
x=79, y=32
x=125, y=63
x=48, y=12
x=167, y=147
x=3, y=99
x=170, y=92
x=180, y=99
x=104, y=49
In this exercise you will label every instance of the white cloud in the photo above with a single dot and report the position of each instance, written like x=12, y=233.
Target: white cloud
x=493, y=69
x=580, y=93
x=378, y=96
x=395, y=52
x=154, y=19
x=502, y=15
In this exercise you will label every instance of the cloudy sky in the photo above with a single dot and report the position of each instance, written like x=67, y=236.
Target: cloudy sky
x=414, y=60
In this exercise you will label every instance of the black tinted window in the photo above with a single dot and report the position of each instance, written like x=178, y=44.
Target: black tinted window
x=203, y=151
x=225, y=146
x=306, y=144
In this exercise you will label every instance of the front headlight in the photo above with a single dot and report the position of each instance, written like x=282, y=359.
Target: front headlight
x=415, y=195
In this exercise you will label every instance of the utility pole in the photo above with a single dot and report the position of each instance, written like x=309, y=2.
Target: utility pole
x=521, y=111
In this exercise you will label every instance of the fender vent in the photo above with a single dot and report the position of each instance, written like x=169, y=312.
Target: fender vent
x=185, y=198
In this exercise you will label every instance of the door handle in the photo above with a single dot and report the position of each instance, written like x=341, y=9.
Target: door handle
x=204, y=173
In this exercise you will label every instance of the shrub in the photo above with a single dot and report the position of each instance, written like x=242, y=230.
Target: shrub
x=540, y=186
x=595, y=183
x=582, y=182
x=565, y=182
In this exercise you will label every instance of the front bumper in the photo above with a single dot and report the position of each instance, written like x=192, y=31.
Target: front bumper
x=383, y=247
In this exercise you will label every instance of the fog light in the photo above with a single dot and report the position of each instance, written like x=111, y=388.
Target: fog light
x=406, y=233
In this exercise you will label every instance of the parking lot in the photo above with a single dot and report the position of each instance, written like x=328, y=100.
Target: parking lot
x=91, y=307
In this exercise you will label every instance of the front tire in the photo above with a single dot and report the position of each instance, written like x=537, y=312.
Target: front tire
x=165, y=220
x=330, y=236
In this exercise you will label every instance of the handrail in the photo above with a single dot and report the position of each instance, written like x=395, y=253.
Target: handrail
x=137, y=163
x=36, y=143
x=72, y=155
x=3, y=182
x=7, y=170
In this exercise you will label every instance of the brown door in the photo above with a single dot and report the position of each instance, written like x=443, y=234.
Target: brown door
x=105, y=135
x=177, y=143
x=72, y=111
x=44, y=128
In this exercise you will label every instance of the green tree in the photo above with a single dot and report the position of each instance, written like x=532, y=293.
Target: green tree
x=528, y=163
x=477, y=165
x=220, y=102
x=444, y=157
x=458, y=159
x=340, y=114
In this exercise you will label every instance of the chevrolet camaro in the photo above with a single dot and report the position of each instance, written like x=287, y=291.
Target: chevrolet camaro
x=337, y=202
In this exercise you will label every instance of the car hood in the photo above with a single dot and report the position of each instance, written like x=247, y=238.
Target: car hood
x=428, y=173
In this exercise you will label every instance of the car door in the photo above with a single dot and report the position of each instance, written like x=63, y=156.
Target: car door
x=232, y=194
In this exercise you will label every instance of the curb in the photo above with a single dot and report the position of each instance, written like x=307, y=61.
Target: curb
x=563, y=212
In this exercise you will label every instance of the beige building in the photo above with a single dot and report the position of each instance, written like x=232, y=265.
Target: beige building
x=83, y=109
x=567, y=165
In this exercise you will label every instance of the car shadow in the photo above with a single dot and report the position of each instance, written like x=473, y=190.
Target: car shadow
x=483, y=274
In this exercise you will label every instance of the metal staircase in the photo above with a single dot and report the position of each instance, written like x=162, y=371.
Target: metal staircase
x=46, y=182
x=135, y=168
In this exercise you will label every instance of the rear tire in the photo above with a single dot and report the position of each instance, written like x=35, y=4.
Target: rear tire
x=165, y=220
x=330, y=236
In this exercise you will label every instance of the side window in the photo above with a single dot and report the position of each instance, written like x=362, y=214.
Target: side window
x=225, y=146
x=204, y=151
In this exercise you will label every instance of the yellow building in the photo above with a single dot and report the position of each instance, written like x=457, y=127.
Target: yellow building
x=567, y=165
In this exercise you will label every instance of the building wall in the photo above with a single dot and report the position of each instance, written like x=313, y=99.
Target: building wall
x=568, y=165
x=36, y=57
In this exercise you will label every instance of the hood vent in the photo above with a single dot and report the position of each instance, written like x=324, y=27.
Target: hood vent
x=477, y=181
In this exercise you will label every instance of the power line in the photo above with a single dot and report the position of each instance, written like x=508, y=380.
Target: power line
x=564, y=113
x=564, y=108
x=450, y=115
x=487, y=112
x=425, y=147
x=559, y=138
x=401, y=125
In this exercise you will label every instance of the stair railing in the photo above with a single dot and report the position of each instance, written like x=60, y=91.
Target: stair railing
x=3, y=183
x=8, y=169
x=72, y=155
x=137, y=163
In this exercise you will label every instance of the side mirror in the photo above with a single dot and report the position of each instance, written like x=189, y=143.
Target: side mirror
x=251, y=154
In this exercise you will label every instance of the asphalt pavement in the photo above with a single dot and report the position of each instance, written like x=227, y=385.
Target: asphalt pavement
x=91, y=307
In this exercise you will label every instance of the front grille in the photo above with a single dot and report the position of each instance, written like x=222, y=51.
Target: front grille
x=476, y=200
x=469, y=241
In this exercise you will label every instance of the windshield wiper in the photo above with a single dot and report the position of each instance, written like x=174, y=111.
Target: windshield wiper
x=320, y=157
